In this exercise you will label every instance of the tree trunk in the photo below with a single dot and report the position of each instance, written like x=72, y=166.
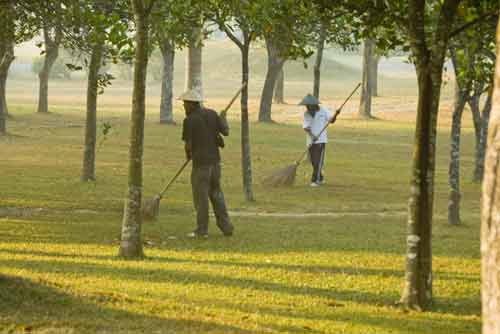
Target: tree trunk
x=51, y=54
x=88, y=168
x=374, y=74
x=167, y=48
x=454, y=168
x=3, y=104
x=131, y=245
x=483, y=136
x=279, y=89
x=6, y=57
x=490, y=217
x=246, y=161
x=193, y=71
x=417, y=293
x=365, y=105
x=318, y=61
x=274, y=65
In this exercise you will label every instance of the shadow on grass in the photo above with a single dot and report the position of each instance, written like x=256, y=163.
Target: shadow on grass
x=28, y=306
x=462, y=306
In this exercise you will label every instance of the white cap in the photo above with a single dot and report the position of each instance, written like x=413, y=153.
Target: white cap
x=191, y=95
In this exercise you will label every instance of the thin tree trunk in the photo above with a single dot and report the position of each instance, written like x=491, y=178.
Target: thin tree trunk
x=88, y=168
x=374, y=74
x=3, y=104
x=463, y=86
x=365, y=104
x=167, y=48
x=479, y=168
x=274, y=65
x=6, y=57
x=193, y=71
x=131, y=244
x=51, y=54
x=490, y=217
x=429, y=60
x=417, y=291
x=454, y=168
x=279, y=89
x=318, y=61
x=246, y=161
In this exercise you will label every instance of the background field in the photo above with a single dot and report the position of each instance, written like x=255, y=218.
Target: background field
x=326, y=260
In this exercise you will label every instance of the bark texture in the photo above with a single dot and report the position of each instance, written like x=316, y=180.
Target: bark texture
x=365, y=104
x=7, y=41
x=88, y=168
x=193, y=71
x=454, y=167
x=279, y=90
x=483, y=138
x=374, y=73
x=274, y=66
x=167, y=48
x=463, y=87
x=131, y=244
x=429, y=59
x=52, y=39
x=317, y=63
x=490, y=216
x=246, y=158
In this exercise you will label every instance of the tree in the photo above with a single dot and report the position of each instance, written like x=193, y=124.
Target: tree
x=131, y=244
x=490, y=219
x=319, y=58
x=231, y=16
x=52, y=36
x=172, y=23
x=193, y=73
x=98, y=33
x=7, y=42
x=275, y=62
x=473, y=70
x=365, y=105
x=167, y=48
x=427, y=27
x=279, y=89
x=464, y=85
x=16, y=26
x=288, y=34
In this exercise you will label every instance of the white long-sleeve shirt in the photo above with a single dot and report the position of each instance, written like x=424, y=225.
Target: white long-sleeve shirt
x=316, y=124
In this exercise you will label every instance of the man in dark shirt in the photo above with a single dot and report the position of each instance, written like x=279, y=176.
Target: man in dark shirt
x=200, y=132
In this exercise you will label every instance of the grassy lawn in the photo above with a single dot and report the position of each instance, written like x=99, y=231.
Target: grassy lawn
x=341, y=273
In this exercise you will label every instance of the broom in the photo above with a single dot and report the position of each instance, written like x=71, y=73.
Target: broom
x=151, y=207
x=286, y=176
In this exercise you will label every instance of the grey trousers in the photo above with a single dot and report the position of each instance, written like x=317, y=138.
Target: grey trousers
x=205, y=182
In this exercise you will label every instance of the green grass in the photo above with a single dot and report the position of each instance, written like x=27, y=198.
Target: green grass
x=339, y=274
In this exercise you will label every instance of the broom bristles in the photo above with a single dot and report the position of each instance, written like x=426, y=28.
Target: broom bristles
x=151, y=209
x=282, y=177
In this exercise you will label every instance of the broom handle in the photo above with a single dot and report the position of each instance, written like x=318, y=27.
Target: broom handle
x=333, y=119
x=224, y=112
x=174, y=178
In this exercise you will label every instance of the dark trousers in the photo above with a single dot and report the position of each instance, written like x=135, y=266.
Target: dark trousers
x=317, y=157
x=205, y=182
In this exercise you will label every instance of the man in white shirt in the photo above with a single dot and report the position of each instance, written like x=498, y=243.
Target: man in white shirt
x=316, y=119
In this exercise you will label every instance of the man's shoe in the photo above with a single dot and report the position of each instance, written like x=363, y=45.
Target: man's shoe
x=314, y=184
x=228, y=234
x=197, y=235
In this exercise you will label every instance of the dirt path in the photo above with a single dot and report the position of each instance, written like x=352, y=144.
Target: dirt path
x=28, y=212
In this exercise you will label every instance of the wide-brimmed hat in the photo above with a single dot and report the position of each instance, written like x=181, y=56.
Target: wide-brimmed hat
x=191, y=95
x=309, y=100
